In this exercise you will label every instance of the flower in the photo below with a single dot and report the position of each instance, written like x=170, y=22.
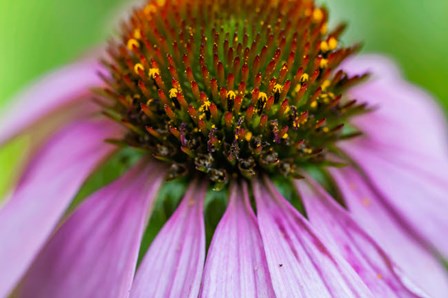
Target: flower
x=250, y=107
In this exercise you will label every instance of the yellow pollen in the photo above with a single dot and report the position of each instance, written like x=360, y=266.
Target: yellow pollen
x=313, y=104
x=325, y=98
x=262, y=96
x=231, y=95
x=248, y=136
x=278, y=88
x=318, y=15
x=323, y=63
x=324, y=47
x=153, y=72
x=326, y=129
x=285, y=136
x=332, y=43
x=296, y=123
x=325, y=85
x=150, y=8
x=205, y=106
x=133, y=43
x=173, y=93
x=304, y=78
x=138, y=68
x=137, y=33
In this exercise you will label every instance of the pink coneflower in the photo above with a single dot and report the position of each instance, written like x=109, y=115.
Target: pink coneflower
x=296, y=169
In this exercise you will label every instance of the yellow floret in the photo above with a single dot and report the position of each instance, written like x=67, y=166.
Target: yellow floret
x=138, y=68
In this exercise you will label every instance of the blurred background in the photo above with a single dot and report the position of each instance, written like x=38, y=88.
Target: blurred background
x=37, y=36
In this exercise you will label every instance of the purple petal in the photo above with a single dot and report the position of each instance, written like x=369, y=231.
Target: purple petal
x=341, y=232
x=52, y=180
x=236, y=263
x=406, y=120
x=63, y=87
x=391, y=233
x=174, y=262
x=95, y=252
x=300, y=264
x=416, y=197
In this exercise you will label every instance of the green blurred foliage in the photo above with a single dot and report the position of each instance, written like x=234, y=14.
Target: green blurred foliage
x=413, y=33
x=11, y=157
x=36, y=36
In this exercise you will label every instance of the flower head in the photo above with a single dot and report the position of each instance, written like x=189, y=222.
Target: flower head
x=232, y=91
x=299, y=175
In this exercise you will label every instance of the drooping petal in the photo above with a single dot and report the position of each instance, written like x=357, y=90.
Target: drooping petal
x=52, y=180
x=63, y=87
x=174, y=262
x=406, y=119
x=300, y=264
x=406, y=137
x=95, y=252
x=418, y=198
x=236, y=264
x=400, y=242
x=340, y=231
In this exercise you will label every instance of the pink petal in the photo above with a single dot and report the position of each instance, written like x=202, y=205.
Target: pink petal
x=341, y=232
x=388, y=230
x=418, y=198
x=67, y=86
x=236, y=263
x=407, y=139
x=95, y=252
x=174, y=262
x=300, y=264
x=407, y=119
x=52, y=180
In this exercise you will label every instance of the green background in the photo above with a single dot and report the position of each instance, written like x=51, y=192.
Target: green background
x=39, y=35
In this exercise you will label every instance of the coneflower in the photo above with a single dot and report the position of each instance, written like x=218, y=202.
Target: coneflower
x=296, y=168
